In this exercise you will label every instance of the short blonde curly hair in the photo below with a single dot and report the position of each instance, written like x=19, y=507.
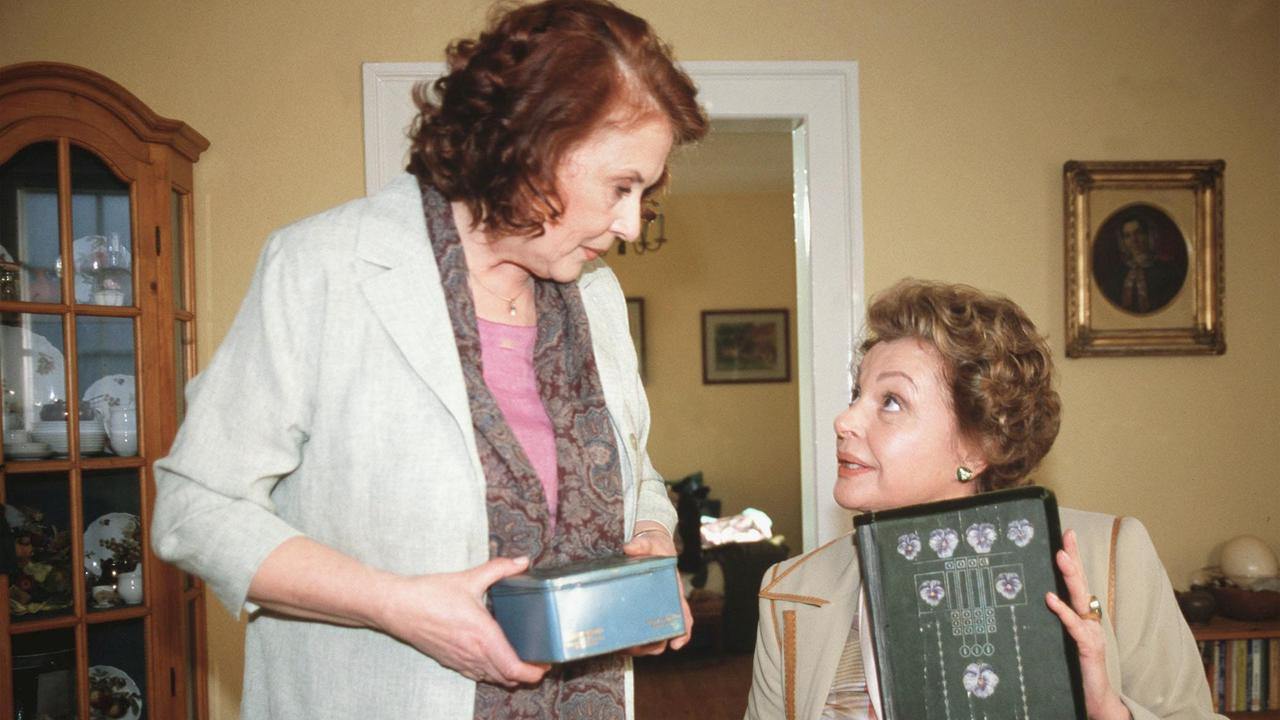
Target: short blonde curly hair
x=996, y=363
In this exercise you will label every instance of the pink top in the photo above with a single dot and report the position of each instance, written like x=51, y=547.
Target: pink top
x=507, y=355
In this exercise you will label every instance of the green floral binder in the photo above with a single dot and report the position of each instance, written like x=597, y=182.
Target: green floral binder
x=955, y=593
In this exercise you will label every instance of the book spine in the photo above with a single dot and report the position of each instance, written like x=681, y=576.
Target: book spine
x=869, y=556
x=1206, y=658
x=1240, y=701
x=1220, y=675
x=1264, y=651
x=1229, y=660
x=1255, y=675
x=1274, y=674
x=1249, y=688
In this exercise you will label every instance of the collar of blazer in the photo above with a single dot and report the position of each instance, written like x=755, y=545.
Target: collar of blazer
x=818, y=578
x=392, y=234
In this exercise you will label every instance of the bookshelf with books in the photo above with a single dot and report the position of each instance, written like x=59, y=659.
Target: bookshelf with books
x=1242, y=664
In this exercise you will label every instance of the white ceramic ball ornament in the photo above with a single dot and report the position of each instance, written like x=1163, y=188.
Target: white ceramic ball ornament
x=1246, y=558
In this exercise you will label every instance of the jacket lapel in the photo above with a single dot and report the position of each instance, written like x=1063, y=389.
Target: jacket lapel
x=404, y=292
x=597, y=287
x=825, y=598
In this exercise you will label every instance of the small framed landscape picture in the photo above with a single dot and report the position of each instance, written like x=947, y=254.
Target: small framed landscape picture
x=635, y=319
x=745, y=346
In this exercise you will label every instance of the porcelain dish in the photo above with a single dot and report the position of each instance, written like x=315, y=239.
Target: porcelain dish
x=113, y=694
x=93, y=435
x=27, y=450
x=111, y=391
x=29, y=355
x=114, y=528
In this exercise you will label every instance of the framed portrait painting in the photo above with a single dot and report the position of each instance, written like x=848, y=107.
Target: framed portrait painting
x=745, y=346
x=1144, y=258
x=635, y=320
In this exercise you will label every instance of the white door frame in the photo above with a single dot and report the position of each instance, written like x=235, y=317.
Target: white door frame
x=822, y=99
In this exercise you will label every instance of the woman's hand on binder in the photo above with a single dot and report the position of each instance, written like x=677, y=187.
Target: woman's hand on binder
x=1101, y=700
x=651, y=538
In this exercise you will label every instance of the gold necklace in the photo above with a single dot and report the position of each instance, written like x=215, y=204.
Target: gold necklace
x=510, y=301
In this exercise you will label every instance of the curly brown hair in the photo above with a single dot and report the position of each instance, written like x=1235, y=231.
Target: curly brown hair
x=538, y=81
x=996, y=363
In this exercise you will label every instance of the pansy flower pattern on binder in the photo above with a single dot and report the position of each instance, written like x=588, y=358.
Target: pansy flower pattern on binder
x=944, y=541
x=909, y=546
x=1021, y=532
x=932, y=592
x=980, y=537
x=980, y=680
x=961, y=630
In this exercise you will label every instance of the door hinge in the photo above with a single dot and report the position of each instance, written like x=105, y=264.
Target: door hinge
x=157, y=241
x=173, y=682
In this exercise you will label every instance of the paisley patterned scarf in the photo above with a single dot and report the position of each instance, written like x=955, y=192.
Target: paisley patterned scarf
x=590, y=514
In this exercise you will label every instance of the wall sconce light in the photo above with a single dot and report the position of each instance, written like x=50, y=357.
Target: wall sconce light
x=645, y=243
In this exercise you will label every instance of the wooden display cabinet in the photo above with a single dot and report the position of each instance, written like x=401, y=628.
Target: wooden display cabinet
x=1221, y=628
x=96, y=346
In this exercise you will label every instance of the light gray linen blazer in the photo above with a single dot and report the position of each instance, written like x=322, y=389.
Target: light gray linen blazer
x=336, y=408
x=1152, y=659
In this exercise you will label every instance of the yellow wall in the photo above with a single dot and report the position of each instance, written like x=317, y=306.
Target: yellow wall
x=969, y=109
x=726, y=252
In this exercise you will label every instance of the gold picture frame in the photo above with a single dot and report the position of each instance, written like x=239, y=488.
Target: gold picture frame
x=746, y=346
x=1144, y=257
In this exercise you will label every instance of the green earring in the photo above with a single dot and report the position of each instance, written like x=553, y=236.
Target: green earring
x=964, y=474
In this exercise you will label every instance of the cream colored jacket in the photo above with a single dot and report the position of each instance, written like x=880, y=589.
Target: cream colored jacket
x=807, y=605
x=336, y=408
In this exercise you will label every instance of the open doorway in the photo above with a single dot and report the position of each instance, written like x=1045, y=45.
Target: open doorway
x=728, y=221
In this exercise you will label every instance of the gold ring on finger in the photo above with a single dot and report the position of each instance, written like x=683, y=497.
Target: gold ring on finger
x=1095, y=609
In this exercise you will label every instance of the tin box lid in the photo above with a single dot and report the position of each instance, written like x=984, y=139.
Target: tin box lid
x=585, y=572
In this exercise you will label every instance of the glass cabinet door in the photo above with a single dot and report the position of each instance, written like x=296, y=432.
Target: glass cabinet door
x=72, y=486
x=92, y=626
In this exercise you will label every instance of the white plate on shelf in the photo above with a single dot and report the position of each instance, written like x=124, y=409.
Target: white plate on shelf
x=107, y=678
x=27, y=450
x=93, y=445
x=32, y=366
x=112, y=526
x=51, y=433
x=111, y=391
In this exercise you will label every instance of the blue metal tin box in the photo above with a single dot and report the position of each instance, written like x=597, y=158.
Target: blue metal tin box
x=589, y=608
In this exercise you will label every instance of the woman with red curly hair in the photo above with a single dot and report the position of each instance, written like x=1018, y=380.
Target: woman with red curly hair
x=954, y=396
x=434, y=388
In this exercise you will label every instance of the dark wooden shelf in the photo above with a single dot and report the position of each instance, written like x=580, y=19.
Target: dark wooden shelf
x=1222, y=628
